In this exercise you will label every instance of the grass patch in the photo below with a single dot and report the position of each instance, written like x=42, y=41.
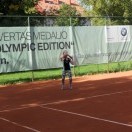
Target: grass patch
x=12, y=78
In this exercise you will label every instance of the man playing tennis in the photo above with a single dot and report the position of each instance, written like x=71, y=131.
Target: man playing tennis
x=66, y=59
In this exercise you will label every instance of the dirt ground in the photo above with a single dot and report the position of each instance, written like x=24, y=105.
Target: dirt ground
x=97, y=103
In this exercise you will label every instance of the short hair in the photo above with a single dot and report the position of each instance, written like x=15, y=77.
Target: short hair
x=65, y=51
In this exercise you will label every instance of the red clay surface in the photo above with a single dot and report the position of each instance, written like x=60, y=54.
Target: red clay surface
x=97, y=103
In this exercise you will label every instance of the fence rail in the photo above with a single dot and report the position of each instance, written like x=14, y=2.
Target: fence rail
x=13, y=21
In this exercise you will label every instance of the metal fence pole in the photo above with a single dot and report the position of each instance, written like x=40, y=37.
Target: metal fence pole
x=32, y=74
x=108, y=67
x=73, y=47
x=70, y=21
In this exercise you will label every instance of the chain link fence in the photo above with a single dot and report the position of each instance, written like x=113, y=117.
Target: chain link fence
x=20, y=21
x=16, y=21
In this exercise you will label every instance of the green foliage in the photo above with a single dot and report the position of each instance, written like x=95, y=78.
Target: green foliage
x=67, y=15
x=17, y=7
x=111, y=8
x=28, y=6
x=67, y=10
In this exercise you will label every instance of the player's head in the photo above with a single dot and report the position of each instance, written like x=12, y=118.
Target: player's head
x=65, y=53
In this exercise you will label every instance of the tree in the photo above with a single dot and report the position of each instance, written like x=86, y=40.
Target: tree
x=110, y=8
x=28, y=6
x=4, y=6
x=17, y=7
x=67, y=15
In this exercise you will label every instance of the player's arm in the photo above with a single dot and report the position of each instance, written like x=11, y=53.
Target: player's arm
x=71, y=60
x=62, y=57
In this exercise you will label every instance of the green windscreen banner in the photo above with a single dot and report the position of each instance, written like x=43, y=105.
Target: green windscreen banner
x=90, y=45
x=119, y=41
x=15, y=54
x=33, y=48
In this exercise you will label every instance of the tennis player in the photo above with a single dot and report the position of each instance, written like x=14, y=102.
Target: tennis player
x=66, y=59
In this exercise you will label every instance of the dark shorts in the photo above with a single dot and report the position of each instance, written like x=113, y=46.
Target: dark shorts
x=66, y=72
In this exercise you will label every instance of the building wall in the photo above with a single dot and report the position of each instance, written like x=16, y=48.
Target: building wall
x=45, y=5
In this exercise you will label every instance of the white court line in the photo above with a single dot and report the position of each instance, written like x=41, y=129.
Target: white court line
x=65, y=101
x=87, y=116
x=20, y=108
x=19, y=125
x=91, y=97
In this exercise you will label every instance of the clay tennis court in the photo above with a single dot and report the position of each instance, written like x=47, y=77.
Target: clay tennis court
x=97, y=103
